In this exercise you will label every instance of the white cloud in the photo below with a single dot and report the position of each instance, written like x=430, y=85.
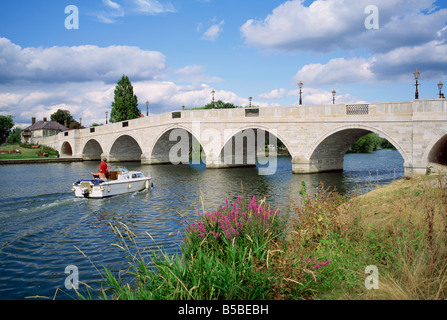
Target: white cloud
x=316, y=96
x=395, y=65
x=327, y=25
x=78, y=63
x=132, y=7
x=400, y=63
x=111, y=4
x=213, y=32
x=195, y=74
x=336, y=71
x=90, y=100
x=38, y=81
x=86, y=100
x=274, y=94
x=165, y=96
x=152, y=7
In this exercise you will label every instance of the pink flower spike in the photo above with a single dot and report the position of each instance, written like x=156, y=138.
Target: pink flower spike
x=317, y=266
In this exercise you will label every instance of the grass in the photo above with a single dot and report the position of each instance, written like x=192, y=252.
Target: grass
x=400, y=228
x=26, y=152
x=320, y=250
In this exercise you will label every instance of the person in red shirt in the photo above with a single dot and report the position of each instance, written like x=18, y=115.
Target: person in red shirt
x=103, y=168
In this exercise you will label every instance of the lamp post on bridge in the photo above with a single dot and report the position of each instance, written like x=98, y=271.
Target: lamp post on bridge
x=107, y=112
x=416, y=77
x=213, y=92
x=333, y=96
x=300, y=85
x=440, y=87
x=147, y=108
x=249, y=99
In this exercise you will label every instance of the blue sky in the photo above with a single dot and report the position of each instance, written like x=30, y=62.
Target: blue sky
x=176, y=51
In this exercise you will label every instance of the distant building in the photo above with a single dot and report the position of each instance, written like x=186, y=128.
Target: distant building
x=42, y=128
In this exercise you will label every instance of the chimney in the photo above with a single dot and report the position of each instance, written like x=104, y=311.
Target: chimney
x=45, y=119
x=33, y=120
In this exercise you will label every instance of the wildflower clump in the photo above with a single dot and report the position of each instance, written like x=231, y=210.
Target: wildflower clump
x=240, y=221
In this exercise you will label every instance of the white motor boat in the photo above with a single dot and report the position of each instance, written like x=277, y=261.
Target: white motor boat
x=120, y=181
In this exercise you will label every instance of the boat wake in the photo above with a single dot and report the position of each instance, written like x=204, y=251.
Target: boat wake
x=34, y=204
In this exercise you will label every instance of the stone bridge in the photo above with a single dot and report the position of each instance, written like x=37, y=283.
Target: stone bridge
x=317, y=136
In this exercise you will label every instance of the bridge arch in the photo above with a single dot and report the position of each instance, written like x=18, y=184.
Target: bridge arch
x=92, y=150
x=327, y=153
x=125, y=148
x=245, y=146
x=176, y=144
x=436, y=151
x=273, y=131
x=66, y=149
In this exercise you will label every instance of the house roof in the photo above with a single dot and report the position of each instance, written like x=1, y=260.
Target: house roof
x=49, y=125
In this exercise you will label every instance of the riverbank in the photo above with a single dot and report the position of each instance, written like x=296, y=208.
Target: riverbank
x=39, y=160
x=398, y=232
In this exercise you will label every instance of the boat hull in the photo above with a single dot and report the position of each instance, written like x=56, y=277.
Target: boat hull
x=93, y=189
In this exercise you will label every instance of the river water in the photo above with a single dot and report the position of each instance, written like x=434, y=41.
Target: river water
x=42, y=225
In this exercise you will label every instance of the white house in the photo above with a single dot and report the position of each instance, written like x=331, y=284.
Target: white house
x=41, y=129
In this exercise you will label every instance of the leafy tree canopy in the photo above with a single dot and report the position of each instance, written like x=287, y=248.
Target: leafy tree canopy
x=15, y=136
x=6, y=124
x=63, y=117
x=219, y=104
x=369, y=143
x=125, y=104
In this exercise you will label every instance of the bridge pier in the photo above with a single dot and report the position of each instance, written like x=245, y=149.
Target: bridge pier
x=303, y=165
x=120, y=158
x=410, y=169
x=158, y=159
x=220, y=164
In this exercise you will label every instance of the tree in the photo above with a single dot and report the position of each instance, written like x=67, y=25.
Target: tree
x=15, y=136
x=367, y=143
x=125, y=104
x=219, y=104
x=6, y=124
x=74, y=125
x=63, y=117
